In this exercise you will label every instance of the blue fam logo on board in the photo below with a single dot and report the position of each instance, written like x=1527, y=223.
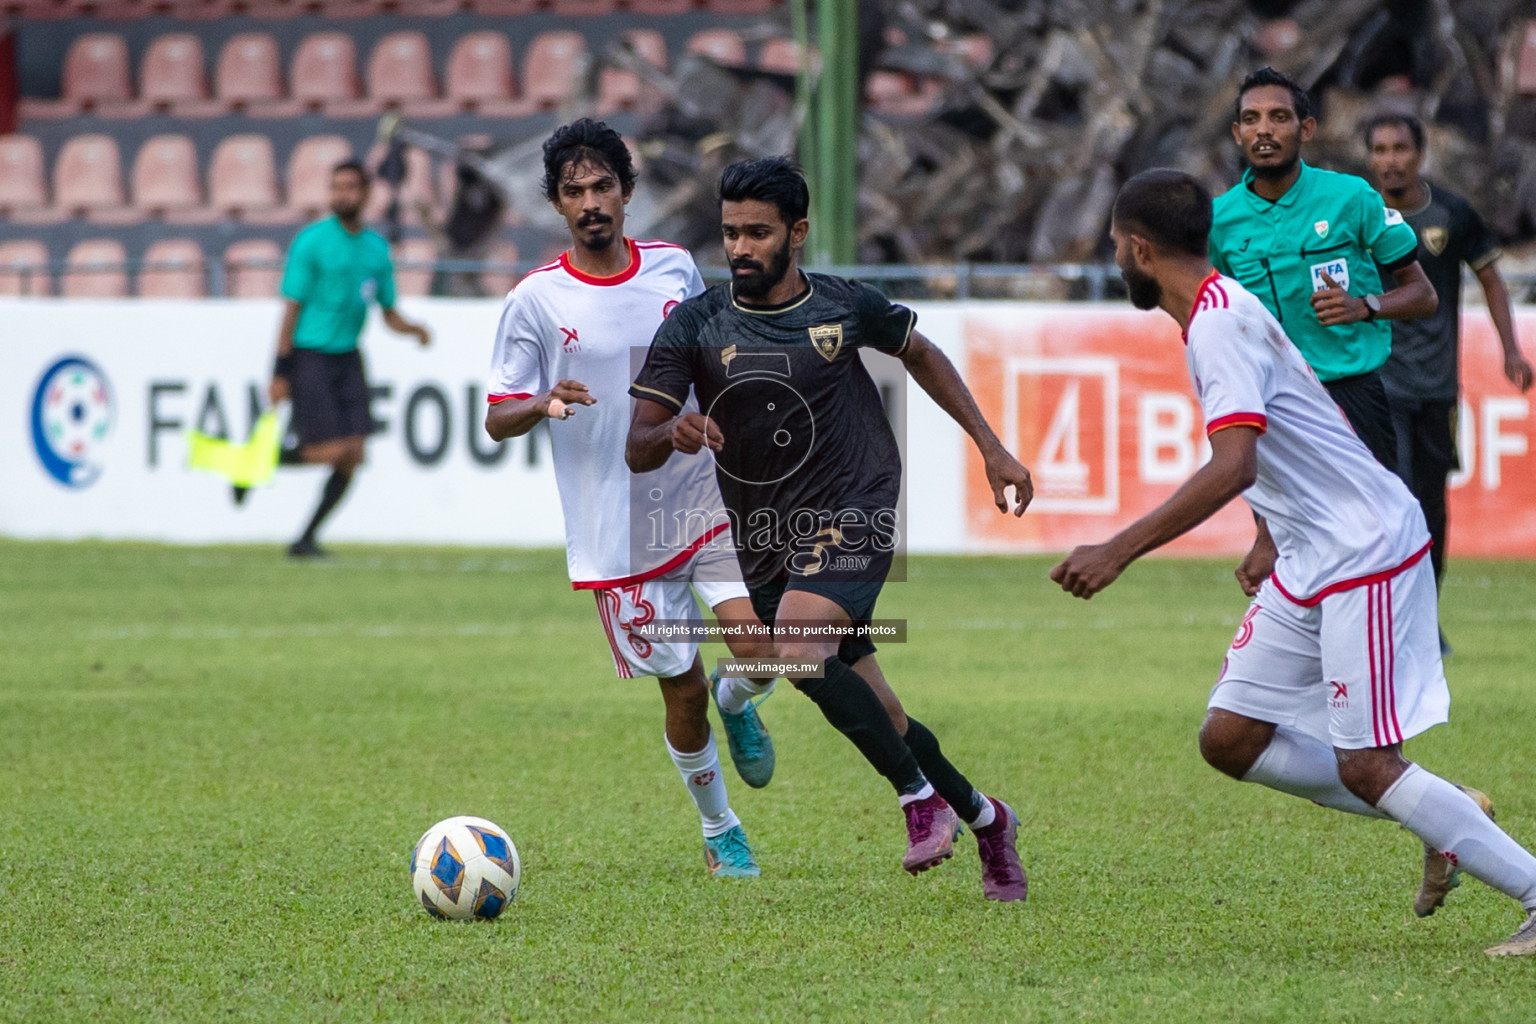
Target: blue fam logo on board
x=71, y=419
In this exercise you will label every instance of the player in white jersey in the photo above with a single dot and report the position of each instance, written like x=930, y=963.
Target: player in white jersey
x=1337, y=661
x=563, y=353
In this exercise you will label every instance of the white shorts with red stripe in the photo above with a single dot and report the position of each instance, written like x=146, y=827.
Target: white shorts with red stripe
x=1359, y=668
x=713, y=573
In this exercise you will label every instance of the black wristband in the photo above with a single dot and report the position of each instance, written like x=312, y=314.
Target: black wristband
x=282, y=366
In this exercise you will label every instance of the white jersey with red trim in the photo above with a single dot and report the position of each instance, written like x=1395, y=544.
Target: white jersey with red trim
x=562, y=324
x=1338, y=517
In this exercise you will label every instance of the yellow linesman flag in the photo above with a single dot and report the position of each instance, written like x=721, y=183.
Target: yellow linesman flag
x=245, y=465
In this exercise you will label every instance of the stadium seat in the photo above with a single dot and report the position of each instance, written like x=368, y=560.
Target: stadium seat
x=417, y=279
x=249, y=72
x=253, y=269
x=95, y=269
x=24, y=268
x=242, y=176
x=496, y=283
x=417, y=190
x=400, y=76
x=171, y=73
x=276, y=8
x=901, y=93
x=721, y=45
x=480, y=71
x=164, y=177
x=782, y=55
x=620, y=89
x=309, y=173
x=22, y=182
x=173, y=269
x=554, y=67
x=324, y=71
x=95, y=77
x=1525, y=61
x=87, y=175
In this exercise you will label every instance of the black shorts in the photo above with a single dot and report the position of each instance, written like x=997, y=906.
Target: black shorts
x=330, y=396
x=1426, y=441
x=1363, y=399
x=850, y=579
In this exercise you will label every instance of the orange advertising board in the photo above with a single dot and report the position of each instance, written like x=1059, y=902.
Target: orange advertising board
x=1098, y=404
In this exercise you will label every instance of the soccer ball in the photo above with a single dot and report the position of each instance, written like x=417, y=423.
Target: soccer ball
x=465, y=868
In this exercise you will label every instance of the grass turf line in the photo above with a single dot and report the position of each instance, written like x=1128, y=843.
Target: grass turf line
x=217, y=761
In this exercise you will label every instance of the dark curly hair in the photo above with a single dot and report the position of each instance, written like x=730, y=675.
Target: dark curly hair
x=583, y=141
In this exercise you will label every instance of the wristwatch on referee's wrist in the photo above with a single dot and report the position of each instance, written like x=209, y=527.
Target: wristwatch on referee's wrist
x=1372, y=307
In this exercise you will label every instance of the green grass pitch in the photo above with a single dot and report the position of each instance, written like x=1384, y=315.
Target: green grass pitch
x=215, y=763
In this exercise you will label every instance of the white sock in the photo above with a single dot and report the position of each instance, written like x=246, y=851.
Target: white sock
x=911, y=798
x=734, y=692
x=988, y=813
x=1450, y=821
x=706, y=784
x=1300, y=765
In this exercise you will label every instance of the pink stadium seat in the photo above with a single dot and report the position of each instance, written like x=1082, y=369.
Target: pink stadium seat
x=173, y=269
x=619, y=89
x=172, y=71
x=324, y=70
x=419, y=188
x=1525, y=61
x=87, y=174
x=721, y=45
x=253, y=269
x=95, y=269
x=553, y=68
x=783, y=56
x=165, y=175
x=400, y=75
x=497, y=283
x=24, y=268
x=480, y=70
x=250, y=70
x=309, y=173
x=275, y=8
x=242, y=175
x=414, y=279
x=22, y=184
x=95, y=77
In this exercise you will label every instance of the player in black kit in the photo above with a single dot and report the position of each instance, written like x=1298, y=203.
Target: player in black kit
x=811, y=473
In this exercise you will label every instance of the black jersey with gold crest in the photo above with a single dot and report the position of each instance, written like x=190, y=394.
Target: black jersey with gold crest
x=802, y=420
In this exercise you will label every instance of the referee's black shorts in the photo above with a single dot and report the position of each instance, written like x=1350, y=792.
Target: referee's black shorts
x=330, y=396
x=1363, y=398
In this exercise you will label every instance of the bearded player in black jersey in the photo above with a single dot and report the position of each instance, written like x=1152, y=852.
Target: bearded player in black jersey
x=811, y=475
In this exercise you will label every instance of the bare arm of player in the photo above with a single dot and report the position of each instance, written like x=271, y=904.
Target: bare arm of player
x=514, y=417
x=1259, y=563
x=1414, y=297
x=277, y=390
x=1231, y=471
x=655, y=433
x=400, y=325
x=1516, y=368
x=936, y=375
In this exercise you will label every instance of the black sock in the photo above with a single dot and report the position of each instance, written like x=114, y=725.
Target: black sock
x=846, y=701
x=290, y=457
x=335, y=487
x=955, y=788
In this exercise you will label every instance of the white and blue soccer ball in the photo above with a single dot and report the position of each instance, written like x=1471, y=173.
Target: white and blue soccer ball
x=465, y=868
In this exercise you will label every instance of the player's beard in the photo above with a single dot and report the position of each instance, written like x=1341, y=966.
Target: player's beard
x=597, y=241
x=1143, y=288
x=762, y=280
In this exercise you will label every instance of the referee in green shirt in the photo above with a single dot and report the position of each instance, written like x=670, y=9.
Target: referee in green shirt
x=336, y=267
x=1307, y=242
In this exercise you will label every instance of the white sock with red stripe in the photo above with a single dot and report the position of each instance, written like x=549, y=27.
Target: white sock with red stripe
x=733, y=693
x=1450, y=821
x=1300, y=765
x=706, y=784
